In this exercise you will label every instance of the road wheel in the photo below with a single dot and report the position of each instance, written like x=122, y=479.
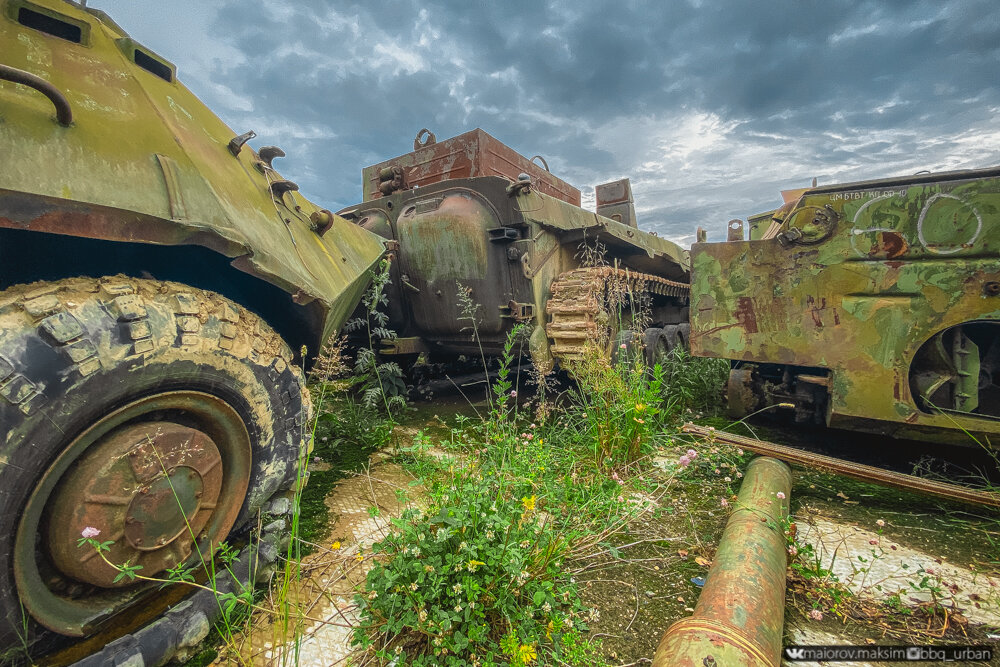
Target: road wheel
x=655, y=346
x=676, y=335
x=161, y=415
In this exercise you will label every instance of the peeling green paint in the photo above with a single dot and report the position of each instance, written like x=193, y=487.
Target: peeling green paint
x=861, y=281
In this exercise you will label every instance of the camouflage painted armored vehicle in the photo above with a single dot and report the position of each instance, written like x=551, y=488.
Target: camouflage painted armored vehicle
x=158, y=281
x=469, y=218
x=872, y=306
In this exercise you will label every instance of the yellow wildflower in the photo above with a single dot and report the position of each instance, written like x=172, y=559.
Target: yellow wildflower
x=529, y=503
x=358, y=557
x=527, y=654
x=548, y=630
x=335, y=546
x=474, y=564
x=639, y=407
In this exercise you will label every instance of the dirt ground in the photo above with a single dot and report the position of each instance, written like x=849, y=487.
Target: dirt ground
x=651, y=574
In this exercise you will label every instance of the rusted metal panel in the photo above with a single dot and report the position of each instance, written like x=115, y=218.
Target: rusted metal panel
x=614, y=200
x=740, y=613
x=468, y=155
x=504, y=246
x=885, y=285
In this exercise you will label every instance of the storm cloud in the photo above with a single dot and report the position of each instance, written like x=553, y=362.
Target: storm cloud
x=710, y=108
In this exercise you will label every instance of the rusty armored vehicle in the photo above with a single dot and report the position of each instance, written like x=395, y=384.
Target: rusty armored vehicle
x=159, y=281
x=871, y=306
x=469, y=218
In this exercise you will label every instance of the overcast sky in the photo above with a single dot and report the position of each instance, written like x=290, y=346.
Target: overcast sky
x=711, y=107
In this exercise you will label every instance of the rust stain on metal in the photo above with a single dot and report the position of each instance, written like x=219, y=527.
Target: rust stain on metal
x=468, y=155
x=745, y=314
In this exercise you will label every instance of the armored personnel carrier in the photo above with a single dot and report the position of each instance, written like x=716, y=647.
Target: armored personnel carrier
x=159, y=283
x=871, y=306
x=468, y=220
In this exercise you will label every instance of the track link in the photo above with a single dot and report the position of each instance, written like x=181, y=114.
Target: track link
x=578, y=308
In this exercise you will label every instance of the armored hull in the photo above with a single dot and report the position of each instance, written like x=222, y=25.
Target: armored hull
x=517, y=245
x=870, y=306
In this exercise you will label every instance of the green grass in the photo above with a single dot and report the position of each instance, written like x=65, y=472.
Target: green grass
x=347, y=433
x=480, y=576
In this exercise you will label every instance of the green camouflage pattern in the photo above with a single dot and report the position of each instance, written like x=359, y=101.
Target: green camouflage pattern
x=867, y=289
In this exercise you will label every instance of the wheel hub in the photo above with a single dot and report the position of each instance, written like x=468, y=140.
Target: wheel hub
x=150, y=488
x=95, y=482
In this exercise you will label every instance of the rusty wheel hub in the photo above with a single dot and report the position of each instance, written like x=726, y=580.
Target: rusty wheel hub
x=163, y=480
x=149, y=488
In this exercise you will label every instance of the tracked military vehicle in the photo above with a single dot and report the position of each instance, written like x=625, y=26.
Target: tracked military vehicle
x=871, y=306
x=468, y=220
x=159, y=280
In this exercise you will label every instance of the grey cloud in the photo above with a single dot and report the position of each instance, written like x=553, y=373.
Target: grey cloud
x=773, y=92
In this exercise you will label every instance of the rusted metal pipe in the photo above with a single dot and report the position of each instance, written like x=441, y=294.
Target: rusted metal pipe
x=64, y=114
x=865, y=473
x=738, y=619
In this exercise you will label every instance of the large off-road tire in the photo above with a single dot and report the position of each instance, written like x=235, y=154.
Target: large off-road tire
x=164, y=416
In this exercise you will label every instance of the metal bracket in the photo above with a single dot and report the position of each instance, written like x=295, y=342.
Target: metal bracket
x=429, y=141
x=322, y=221
x=278, y=188
x=519, y=312
x=268, y=153
x=236, y=143
x=503, y=235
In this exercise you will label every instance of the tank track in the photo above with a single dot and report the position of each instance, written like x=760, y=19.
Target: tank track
x=577, y=308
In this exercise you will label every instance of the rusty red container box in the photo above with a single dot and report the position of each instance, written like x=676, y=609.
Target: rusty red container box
x=474, y=153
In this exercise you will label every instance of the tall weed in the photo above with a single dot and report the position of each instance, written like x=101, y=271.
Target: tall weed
x=620, y=405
